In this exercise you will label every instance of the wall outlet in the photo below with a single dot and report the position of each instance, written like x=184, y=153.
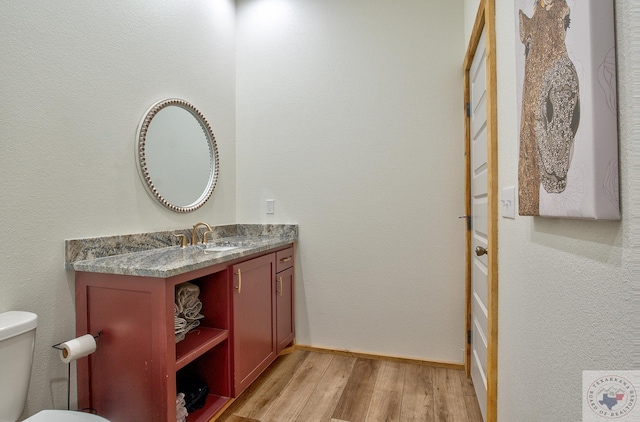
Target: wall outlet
x=271, y=206
x=508, y=202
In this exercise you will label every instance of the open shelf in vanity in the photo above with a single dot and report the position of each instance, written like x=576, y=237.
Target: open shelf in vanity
x=205, y=350
x=211, y=362
x=197, y=343
x=212, y=366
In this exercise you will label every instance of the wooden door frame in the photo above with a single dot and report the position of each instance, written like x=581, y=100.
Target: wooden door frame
x=485, y=20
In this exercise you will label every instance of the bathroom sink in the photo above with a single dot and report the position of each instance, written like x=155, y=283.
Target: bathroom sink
x=229, y=243
x=217, y=248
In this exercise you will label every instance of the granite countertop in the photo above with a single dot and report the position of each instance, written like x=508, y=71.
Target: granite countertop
x=168, y=261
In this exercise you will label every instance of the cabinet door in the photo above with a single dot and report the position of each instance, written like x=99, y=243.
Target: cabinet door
x=125, y=379
x=254, y=327
x=284, y=309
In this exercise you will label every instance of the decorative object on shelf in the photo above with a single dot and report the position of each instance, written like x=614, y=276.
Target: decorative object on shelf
x=187, y=309
x=568, y=151
x=181, y=408
x=180, y=323
x=177, y=155
x=194, y=388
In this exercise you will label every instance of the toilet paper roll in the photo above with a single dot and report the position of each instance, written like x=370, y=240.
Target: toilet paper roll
x=77, y=348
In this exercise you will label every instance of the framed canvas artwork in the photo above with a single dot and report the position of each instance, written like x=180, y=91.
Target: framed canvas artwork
x=567, y=109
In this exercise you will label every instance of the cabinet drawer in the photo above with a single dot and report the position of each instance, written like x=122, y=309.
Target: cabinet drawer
x=284, y=259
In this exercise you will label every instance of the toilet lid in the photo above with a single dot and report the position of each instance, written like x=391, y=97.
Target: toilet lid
x=64, y=416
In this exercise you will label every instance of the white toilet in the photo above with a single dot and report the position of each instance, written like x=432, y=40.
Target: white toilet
x=17, y=339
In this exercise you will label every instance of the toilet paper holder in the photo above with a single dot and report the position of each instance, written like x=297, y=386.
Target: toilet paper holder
x=59, y=347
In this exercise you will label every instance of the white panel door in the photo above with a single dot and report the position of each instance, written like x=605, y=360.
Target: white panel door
x=479, y=225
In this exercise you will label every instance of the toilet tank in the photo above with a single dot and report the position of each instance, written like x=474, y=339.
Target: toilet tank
x=17, y=339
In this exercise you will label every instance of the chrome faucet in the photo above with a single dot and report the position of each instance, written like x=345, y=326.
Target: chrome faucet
x=194, y=233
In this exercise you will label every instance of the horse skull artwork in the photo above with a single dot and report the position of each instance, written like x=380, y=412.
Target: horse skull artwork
x=550, y=104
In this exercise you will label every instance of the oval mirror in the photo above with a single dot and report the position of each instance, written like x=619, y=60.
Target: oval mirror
x=177, y=155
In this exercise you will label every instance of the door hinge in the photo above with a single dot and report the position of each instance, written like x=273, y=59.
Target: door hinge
x=468, y=218
x=468, y=108
x=469, y=337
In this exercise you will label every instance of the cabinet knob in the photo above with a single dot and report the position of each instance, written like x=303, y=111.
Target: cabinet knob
x=239, y=286
x=280, y=282
x=480, y=251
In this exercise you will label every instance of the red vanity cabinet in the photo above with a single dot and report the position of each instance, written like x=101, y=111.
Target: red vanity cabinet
x=285, y=319
x=132, y=373
x=254, y=329
x=263, y=320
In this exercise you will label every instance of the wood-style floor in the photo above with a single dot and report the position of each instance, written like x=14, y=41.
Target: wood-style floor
x=309, y=386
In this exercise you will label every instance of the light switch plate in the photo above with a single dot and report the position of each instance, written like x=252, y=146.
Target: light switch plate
x=508, y=202
x=271, y=206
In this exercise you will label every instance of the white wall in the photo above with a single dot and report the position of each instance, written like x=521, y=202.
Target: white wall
x=565, y=295
x=470, y=13
x=350, y=117
x=75, y=80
